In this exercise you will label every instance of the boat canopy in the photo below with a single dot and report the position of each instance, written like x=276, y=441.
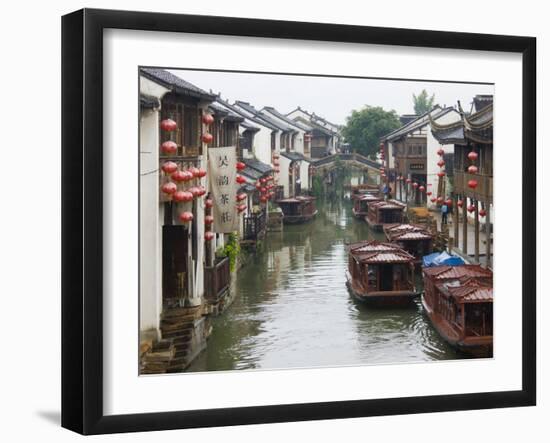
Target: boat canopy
x=441, y=259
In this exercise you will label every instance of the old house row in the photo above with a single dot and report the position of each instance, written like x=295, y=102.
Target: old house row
x=184, y=276
x=445, y=155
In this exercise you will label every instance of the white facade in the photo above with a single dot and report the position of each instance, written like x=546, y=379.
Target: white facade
x=150, y=229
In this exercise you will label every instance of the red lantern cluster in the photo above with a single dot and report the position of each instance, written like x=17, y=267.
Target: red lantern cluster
x=208, y=220
x=208, y=203
x=441, y=162
x=207, y=137
x=472, y=184
x=240, y=166
x=240, y=179
x=472, y=156
x=208, y=235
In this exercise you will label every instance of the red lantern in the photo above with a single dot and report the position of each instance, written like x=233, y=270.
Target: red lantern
x=472, y=156
x=460, y=203
x=433, y=199
x=482, y=212
x=241, y=208
x=169, y=167
x=263, y=190
x=441, y=163
x=208, y=235
x=202, y=172
x=258, y=186
x=383, y=175
x=186, y=216
x=263, y=180
x=207, y=138
x=179, y=176
x=439, y=199
x=169, y=147
x=472, y=184
x=415, y=185
x=241, y=197
x=208, y=203
x=449, y=202
x=471, y=208
x=169, y=188
x=240, y=166
x=428, y=193
x=263, y=198
x=440, y=152
x=408, y=181
x=168, y=125
x=208, y=220
x=207, y=119
x=195, y=171
x=178, y=196
x=421, y=188
x=201, y=190
x=241, y=179
x=441, y=174
x=472, y=169
x=195, y=191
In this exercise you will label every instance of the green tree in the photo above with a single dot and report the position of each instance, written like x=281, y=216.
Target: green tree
x=423, y=103
x=364, y=128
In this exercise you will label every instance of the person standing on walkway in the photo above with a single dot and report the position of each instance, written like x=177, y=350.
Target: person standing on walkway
x=444, y=212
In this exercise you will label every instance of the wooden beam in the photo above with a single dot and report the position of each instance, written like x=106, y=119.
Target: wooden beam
x=465, y=226
x=476, y=232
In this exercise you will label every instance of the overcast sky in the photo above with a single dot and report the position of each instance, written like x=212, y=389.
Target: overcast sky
x=332, y=98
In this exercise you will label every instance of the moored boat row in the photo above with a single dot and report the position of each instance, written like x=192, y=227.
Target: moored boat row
x=457, y=297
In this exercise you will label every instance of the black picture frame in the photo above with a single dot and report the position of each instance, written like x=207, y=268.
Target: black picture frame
x=82, y=215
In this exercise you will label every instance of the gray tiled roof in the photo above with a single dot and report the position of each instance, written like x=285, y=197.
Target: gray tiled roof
x=175, y=83
x=259, y=166
x=241, y=113
x=252, y=110
x=293, y=155
x=148, y=101
x=288, y=120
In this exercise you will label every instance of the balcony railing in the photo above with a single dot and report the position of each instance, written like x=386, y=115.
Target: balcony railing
x=254, y=226
x=216, y=280
x=483, y=190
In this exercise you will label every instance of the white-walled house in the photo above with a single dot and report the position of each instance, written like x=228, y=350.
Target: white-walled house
x=325, y=135
x=173, y=257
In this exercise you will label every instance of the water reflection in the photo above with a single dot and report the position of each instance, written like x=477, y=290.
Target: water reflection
x=292, y=308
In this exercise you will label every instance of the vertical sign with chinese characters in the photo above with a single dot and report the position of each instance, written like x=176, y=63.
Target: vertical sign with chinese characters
x=222, y=163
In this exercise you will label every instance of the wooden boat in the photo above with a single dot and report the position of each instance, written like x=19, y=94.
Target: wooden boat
x=298, y=209
x=416, y=239
x=380, y=274
x=384, y=212
x=459, y=302
x=358, y=190
x=360, y=204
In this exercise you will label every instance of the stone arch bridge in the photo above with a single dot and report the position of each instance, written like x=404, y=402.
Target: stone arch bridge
x=328, y=163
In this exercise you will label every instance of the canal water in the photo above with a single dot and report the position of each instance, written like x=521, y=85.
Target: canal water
x=292, y=308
